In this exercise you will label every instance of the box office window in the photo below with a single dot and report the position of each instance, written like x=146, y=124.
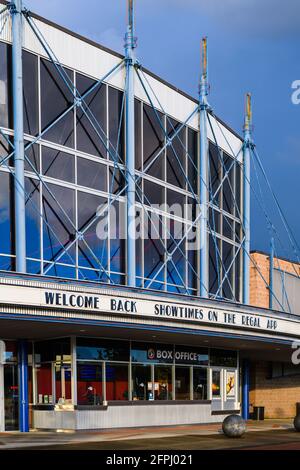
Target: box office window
x=116, y=376
x=199, y=383
x=182, y=383
x=89, y=384
x=142, y=387
x=223, y=358
x=163, y=389
x=102, y=350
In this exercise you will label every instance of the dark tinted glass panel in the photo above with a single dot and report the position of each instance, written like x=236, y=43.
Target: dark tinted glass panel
x=138, y=135
x=92, y=251
x=117, y=237
x=154, y=194
x=238, y=190
x=223, y=358
x=91, y=174
x=237, y=266
x=116, y=381
x=91, y=118
x=214, y=264
x=30, y=93
x=141, y=382
x=32, y=153
x=102, y=349
x=56, y=98
x=154, y=250
x=214, y=173
x=58, y=164
x=116, y=124
x=192, y=269
x=199, y=384
x=176, y=165
x=6, y=188
x=177, y=267
x=176, y=202
x=32, y=209
x=182, y=383
x=192, y=160
x=228, y=184
x=58, y=349
x=5, y=85
x=214, y=220
x=153, y=142
x=116, y=181
x=228, y=227
x=59, y=231
x=227, y=255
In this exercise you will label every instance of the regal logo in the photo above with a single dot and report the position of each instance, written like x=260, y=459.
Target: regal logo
x=151, y=353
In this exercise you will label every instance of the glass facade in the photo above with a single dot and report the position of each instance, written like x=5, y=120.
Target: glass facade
x=75, y=159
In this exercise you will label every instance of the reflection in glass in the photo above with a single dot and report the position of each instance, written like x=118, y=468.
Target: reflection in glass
x=56, y=98
x=89, y=384
x=91, y=117
x=199, y=383
x=163, y=382
x=141, y=382
x=182, y=383
x=116, y=381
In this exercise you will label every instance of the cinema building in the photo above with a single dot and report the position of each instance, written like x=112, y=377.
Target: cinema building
x=99, y=329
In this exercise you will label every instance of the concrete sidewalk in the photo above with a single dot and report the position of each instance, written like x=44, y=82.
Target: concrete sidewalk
x=36, y=439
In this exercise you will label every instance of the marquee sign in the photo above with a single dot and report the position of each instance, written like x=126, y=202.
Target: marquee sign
x=189, y=312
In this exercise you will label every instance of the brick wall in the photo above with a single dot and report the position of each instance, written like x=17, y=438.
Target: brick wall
x=259, y=292
x=278, y=395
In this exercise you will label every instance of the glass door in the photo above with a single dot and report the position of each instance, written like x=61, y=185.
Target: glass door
x=11, y=397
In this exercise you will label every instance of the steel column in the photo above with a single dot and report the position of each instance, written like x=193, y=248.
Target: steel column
x=271, y=267
x=130, y=148
x=245, y=388
x=246, y=200
x=23, y=386
x=19, y=181
x=203, y=174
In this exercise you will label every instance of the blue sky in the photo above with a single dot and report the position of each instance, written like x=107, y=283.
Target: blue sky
x=254, y=45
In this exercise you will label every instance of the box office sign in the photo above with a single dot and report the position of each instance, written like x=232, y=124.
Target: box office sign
x=180, y=355
x=192, y=312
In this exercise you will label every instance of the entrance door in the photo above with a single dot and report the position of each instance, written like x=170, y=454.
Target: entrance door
x=11, y=397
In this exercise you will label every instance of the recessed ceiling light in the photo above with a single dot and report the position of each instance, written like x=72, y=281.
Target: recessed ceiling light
x=82, y=331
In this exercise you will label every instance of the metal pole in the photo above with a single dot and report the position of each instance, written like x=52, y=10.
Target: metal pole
x=203, y=174
x=271, y=273
x=246, y=199
x=245, y=388
x=19, y=181
x=23, y=386
x=130, y=147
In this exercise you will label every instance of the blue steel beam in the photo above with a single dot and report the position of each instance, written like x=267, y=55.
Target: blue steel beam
x=246, y=199
x=203, y=180
x=17, y=85
x=23, y=386
x=130, y=147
